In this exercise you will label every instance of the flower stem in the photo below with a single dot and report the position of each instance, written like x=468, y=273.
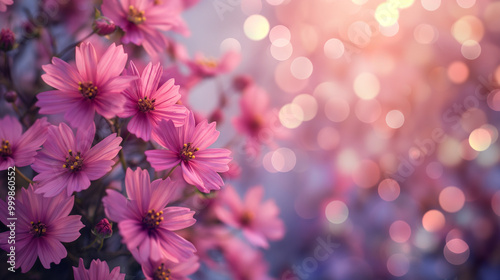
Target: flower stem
x=23, y=176
x=170, y=172
x=122, y=160
x=90, y=245
x=74, y=45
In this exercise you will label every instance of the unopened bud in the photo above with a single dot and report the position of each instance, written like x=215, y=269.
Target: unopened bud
x=104, y=26
x=7, y=40
x=103, y=229
x=242, y=82
x=10, y=96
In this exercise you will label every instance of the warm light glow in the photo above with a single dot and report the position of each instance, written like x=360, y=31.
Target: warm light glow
x=366, y=86
x=301, y=68
x=480, y=139
x=433, y=221
x=451, y=199
x=256, y=27
x=336, y=212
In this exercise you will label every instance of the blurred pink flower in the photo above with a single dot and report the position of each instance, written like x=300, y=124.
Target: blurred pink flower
x=203, y=67
x=243, y=261
x=42, y=224
x=94, y=85
x=4, y=3
x=149, y=104
x=99, y=270
x=256, y=120
x=187, y=147
x=258, y=221
x=144, y=221
x=144, y=20
x=69, y=162
x=18, y=148
x=165, y=269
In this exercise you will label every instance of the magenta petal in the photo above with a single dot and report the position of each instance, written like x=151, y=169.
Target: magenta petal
x=192, y=177
x=115, y=205
x=50, y=250
x=67, y=229
x=140, y=125
x=176, y=218
x=81, y=115
x=162, y=159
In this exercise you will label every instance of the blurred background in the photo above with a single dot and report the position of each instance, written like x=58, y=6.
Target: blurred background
x=391, y=109
x=382, y=146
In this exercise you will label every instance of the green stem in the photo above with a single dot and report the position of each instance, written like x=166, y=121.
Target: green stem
x=100, y=245
x=23, y=176
x=170, y=172
x=90, y=245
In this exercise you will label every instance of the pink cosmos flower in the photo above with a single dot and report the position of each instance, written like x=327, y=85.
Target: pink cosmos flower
x=150, y=103
x=144, y=221
x=187, y=147
x=208, y=67
x=257, y=121
x=4, y=3
x=98, y=270
x=18, y=149
x=165, y=269
x=258, y=221
x=68, y=162
x=144, y=20
x=243, y=261
x=41, y=225
x=94, y=85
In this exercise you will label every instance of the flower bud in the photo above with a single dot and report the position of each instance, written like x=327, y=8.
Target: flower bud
x=7, y=40
x=10, y=96
x=104, y=26
x=217, y=116
x=103, y=229
x=242, y=82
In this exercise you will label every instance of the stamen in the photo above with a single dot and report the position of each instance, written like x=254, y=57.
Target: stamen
x=88, y=89
x=5, y=149
x=73, y=162
x=187, y=152
x=38, y=229
x=146, y=105
x=152, y=219
x=161, y=273
x=135, y=15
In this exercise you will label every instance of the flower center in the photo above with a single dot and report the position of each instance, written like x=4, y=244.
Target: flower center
x=152, y=219
x=135, y=15
x=5, y=150
x=38, y=229
x=87, y=89
x=246, y=218
x=146, y=105
x=187, y=152
x=73, y=162
x=161, y=273
x=254, y=124
x=208, y=62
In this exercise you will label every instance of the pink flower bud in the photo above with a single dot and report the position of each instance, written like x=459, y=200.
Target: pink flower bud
x=104, y=26
x=103, y=229
x=242, y=82
x=7, y=40
x=10, y=96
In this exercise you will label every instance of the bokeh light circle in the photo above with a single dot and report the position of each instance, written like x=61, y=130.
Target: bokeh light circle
x=336, y=212
x=256, y=27
x=398, y=265
x=433, y=220
x=388, y=189
x=400, y=231
x=451, y=199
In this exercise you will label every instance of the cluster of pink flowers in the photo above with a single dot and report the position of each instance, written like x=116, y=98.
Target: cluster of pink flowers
x=107, y=117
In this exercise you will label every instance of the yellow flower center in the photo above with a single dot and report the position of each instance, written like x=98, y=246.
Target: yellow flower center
x=87, y=89
x=135, y=16
x=5, y=149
